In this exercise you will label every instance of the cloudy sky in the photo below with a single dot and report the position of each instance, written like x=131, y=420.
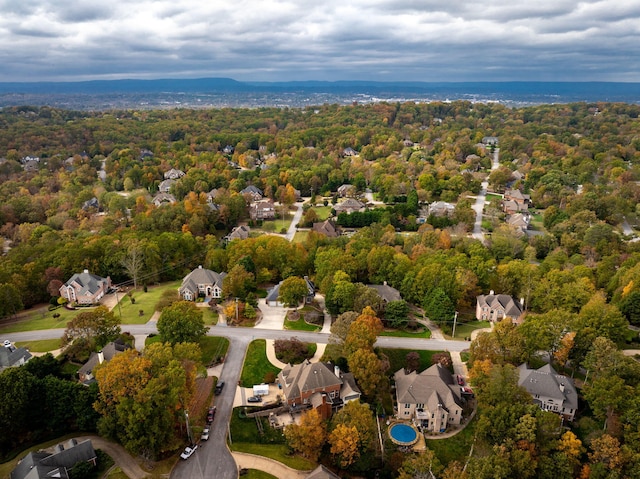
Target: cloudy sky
x=279, y=40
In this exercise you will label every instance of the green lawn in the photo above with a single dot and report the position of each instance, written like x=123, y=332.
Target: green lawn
x=43, y=319
x=454, y=448
x=130, y=312
x=300, y=236
x=300, y=325
x=40, y=346
x=256, y=474
x=212, y=347
x=256, y=364
x=398, y=358
x=277, y=452
x=463, y=330
x=492, y=196
x=402, y=333
x=323, y=212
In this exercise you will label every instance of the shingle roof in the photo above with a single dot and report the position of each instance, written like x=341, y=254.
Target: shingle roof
x=36, y=465
x=87, y=282
x=322, y=472
x=13, y=357
x=198, y=276
x=307, y=376
x=386, y=292
x=547, y=382
x=108, y=352
x=432, y=386
x=511, y=306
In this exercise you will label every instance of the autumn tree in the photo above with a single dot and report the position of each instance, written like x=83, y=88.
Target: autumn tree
x=344, y=444
x=359, y=416
x=133, y=261
x=292, y=291
x=96, y=327
x=367, y=369
x=238, y=282
x=438, y=306
x=181, y=323
x=308, y=436
x=424, y=464
x=363, y=332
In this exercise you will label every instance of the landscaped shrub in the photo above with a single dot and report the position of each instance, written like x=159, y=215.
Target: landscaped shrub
x=292, y=351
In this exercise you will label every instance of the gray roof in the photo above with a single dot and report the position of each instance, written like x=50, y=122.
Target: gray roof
x=274, y=292
x=251, y=189
x=511, y=306
x=174, y=174
x=87, y=282
x=322, y=472
x=164, y=198
x=10, y=357
x=386, y=292
x=431, y=387
x=239, y=232
x=108, y=352
x=327, y=228
x=548, y=383
x=203, y=276
x=36, y=465
x=166, y=185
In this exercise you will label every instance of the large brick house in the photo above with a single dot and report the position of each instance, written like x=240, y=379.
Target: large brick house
x=496, y=307
x=202, y=282
x=85, y=288
x=320, y=386
x=550, y=391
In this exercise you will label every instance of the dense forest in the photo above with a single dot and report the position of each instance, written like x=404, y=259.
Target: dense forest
x=577, y=270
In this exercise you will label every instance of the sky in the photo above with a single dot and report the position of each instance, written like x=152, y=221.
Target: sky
x=279, y=40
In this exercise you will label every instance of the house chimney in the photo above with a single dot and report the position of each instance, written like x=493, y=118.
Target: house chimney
x=491, y=293
x=561, y=387
x=86, y=271
x=384, y=283
x=100, y=357
x=336, y=370
x=522, y=302
x=199, y=266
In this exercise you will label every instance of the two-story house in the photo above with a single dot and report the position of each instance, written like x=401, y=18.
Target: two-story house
x=431, y=399
x=495, y=307
x=262, y=210
x=550, y=391
x=202, y=282
x=85, y=288
x=320, y=386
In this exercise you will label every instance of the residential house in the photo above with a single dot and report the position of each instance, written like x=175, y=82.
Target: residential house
x=11, y=357
x=254, y=193
x=407, y=143
x=31, y=165
x=321, y=472
x=57, y=464
x=520, y=221
x=144, y=153
x=239, y=232
x=273, y=295
x=346, y=191
x=327, y=228
x=173, y=174
x=490, y=140
x=165, y=186
x=441, y=209
x=386, y=292
x=211, y=196
x=515, y=201
x=348, y=206
x=92, y=203
x=348, y=151
x=85, y=373
x=550, y=391
x=317, y=385
x=431, y=399
x=262, y=210
x=164, y=199
x=85, y=288
x=202, y=282
x=495, y=307
x=228, y=150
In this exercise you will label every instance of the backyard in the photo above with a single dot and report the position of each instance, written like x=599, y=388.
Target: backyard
x=256, y=365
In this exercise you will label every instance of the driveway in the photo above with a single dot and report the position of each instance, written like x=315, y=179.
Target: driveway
x=293, y=227
x=272, y=316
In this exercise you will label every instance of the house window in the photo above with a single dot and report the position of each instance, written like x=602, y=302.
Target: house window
x=305, y=401
x=420, y=406
x=407, y=406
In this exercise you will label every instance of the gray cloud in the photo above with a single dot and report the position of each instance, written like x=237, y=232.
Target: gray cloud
x=428, y=40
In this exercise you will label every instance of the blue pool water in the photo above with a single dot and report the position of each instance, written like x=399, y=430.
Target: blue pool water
x=403, y=434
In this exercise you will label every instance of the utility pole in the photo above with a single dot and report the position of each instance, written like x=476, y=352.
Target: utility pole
x=186, y=416
x=236, y=310
x=455, y=317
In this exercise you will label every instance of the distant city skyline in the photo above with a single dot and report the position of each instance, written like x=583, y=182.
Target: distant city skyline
x=278, y=40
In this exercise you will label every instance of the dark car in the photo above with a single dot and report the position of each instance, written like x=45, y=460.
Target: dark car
x=254, y=399
x=211, y=414
x=218, y=388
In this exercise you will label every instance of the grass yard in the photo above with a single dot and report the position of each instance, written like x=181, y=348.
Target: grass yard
x=130, y=312
x=398, y=358
x=493, y=196
x=323, y=212
x=300, y=325
x=454, y=448
x=41, y=318
x=464, y=330
x=245, y=437
x=212, y=347
x=256, y=364
x=402, y=333
x=300, y=236
x=40, y=346
x=256, y=474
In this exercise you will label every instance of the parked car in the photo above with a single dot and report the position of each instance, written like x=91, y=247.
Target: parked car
x=254, y=399
x=188, y=451
x=7, y=343
x=218, y=388
x=211, y=414
x=460, y=380
x=205, y=434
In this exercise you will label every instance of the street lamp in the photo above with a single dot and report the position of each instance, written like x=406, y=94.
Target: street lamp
x=455, y=317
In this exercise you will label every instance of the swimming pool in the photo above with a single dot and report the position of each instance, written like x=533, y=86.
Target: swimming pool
x=403, y=434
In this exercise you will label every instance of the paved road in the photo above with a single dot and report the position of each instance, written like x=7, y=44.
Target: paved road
x=248, y=334
x=478, y=207
x=291, y=232
x=213, y=458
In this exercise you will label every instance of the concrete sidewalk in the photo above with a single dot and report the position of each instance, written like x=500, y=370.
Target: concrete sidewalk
x=250, y=461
